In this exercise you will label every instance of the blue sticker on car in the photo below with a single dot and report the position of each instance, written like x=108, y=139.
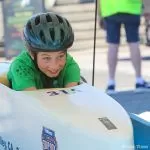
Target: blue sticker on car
x=48, y=139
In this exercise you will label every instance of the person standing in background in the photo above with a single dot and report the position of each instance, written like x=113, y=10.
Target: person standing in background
x=112, y=14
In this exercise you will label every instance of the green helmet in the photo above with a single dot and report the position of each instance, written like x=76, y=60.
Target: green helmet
x=48, y=32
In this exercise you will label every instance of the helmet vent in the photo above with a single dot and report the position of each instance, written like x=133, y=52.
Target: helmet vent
x=60, y=19
x=62, y=34
x=42, y=36
x=52, y=33
x=37, y=20
x=48, y=18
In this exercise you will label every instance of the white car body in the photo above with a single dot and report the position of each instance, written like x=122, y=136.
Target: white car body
x=77, y=118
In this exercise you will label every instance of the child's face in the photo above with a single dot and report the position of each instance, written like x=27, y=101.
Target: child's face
x=51, y=63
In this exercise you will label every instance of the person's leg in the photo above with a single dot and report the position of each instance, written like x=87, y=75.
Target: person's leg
x=113, y=39
x=112, y=62
x=135, y=58
x=132, y=24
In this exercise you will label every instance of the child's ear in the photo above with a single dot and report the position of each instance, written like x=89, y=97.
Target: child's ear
x=31, y=54
x=29, y=49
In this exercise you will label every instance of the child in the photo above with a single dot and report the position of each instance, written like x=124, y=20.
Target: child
x=46, y=63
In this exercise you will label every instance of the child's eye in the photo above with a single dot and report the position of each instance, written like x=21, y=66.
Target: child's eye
x=46, y=58
x=61, y=56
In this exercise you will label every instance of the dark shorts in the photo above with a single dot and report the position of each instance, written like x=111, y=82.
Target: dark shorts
x=131, y=24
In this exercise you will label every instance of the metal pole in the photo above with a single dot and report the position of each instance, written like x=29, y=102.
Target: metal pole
x=95, y=25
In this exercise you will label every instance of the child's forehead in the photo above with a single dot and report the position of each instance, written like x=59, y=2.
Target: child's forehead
x=51, y=53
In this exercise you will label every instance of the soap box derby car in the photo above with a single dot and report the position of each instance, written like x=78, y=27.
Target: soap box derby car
x=76, y=118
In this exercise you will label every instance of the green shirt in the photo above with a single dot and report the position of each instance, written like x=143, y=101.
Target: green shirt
x=23, y=74
x=111, y=7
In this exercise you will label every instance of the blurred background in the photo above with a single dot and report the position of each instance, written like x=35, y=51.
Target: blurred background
x=81, y=14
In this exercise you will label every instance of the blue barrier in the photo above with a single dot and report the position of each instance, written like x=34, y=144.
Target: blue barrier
x=141, y=130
